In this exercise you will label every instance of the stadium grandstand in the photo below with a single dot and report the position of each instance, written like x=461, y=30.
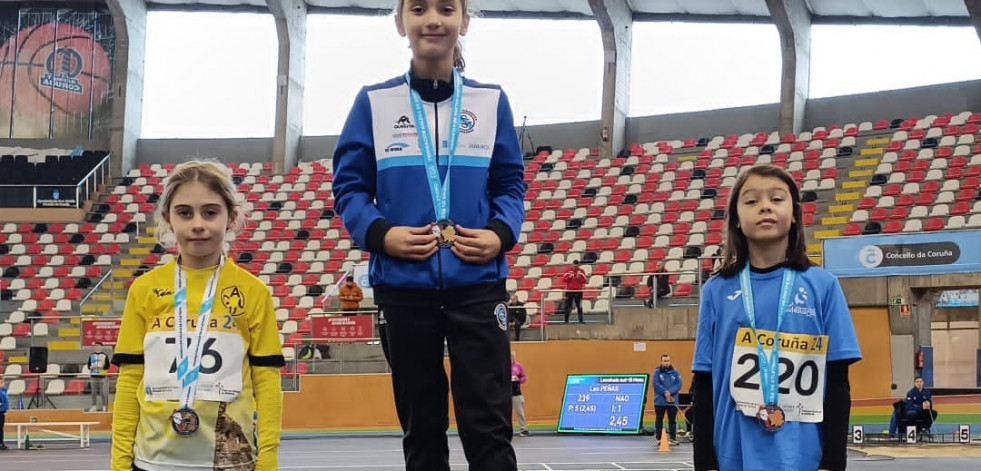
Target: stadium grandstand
x=97, y=105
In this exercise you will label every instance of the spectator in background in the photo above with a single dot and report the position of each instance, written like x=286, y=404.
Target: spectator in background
x=517, y=315
x=517, y=399
x=667, y=384
x=5, y=405
x=919, y=405
x=658, y=285
x=350, y=295
x=98, y=367
x=575, y=281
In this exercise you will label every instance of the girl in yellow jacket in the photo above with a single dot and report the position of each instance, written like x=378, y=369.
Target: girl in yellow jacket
x=217, y=402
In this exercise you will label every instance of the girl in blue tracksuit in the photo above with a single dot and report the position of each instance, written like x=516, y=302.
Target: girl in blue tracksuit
x=438, y=220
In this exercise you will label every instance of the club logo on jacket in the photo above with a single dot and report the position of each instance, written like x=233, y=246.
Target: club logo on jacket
x=501, y=313
x=233, y=300
x=468, y=121
x=800, y=304
x=403, y=123
x=161, y=292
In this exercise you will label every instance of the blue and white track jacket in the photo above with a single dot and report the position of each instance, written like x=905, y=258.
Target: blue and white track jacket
x=380, y=179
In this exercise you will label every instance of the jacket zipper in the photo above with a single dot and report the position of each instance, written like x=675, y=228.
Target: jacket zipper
x=436, y=145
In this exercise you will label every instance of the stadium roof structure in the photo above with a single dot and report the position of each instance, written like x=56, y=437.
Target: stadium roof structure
x=938, y=12
x=793, y=20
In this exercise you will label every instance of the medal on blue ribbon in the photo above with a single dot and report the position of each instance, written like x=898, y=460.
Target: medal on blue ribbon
x=444, y=229
x=184, y=420
x=770, y=415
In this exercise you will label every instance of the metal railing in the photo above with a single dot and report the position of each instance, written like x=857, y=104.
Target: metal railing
x=86, y=185
x=109, y=275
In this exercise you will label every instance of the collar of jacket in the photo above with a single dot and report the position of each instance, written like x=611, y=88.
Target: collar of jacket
x=433, y=91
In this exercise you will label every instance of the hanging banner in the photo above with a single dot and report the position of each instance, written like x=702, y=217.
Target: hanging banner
x=921, y=253
x=100, y=330
x=56, y=69
x=342, y=328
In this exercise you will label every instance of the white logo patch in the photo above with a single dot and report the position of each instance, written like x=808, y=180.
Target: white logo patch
x=800, y=304
x=801, y=296
x=501, y=313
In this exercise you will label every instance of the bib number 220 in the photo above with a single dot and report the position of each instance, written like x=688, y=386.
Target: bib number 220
x=790, y=370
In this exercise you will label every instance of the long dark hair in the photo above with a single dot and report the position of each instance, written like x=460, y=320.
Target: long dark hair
x=735, y=253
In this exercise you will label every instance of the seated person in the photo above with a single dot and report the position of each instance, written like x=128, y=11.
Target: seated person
x=917, y=409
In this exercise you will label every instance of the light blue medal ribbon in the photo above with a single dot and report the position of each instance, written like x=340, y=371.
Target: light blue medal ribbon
x=440, y=191
x=769, y=367
x=189, y=355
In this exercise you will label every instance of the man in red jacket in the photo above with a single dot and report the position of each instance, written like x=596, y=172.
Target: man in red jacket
x=575, y=281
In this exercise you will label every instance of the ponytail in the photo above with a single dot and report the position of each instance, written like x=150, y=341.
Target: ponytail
x=458, y=61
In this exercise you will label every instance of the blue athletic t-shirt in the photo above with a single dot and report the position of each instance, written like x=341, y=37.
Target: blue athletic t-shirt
x=817, y=328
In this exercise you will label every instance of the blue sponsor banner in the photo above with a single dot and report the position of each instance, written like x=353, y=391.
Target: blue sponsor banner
x=958, y=298
x=931, y=253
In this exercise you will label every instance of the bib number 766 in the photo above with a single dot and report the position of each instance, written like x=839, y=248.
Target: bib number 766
x=215, y=363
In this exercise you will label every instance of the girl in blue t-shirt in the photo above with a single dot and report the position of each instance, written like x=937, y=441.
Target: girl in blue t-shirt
x=774, y=342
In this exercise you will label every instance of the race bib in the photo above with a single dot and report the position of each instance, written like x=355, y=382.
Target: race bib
x=221, y=367
x=801, y=374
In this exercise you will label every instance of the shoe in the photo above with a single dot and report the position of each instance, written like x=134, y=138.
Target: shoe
x=672, y=442
x=3, y=446
x=525, y=433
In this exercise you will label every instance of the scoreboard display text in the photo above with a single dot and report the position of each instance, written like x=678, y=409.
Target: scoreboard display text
x=611, y=404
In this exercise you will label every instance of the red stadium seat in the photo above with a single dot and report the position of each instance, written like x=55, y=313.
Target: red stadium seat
x=75, y=387
x=683, y=289
x=899, y=213
x=892, y=227
x=305, y=327
x=960, y=207
x=934, y=224
x=21, y=330
x=904, y=200
x=966, y=194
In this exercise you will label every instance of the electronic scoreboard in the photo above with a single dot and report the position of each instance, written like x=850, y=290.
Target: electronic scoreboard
x=611, y=404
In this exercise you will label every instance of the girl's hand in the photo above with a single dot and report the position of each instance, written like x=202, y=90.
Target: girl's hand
x=477, y=246
x=411, y=243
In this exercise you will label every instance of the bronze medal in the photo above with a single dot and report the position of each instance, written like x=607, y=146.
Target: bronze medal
x=771, y=417
x=445, y=233
x=185, y=421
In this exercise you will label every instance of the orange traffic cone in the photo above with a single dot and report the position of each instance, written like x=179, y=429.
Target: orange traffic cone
x=664, y=448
